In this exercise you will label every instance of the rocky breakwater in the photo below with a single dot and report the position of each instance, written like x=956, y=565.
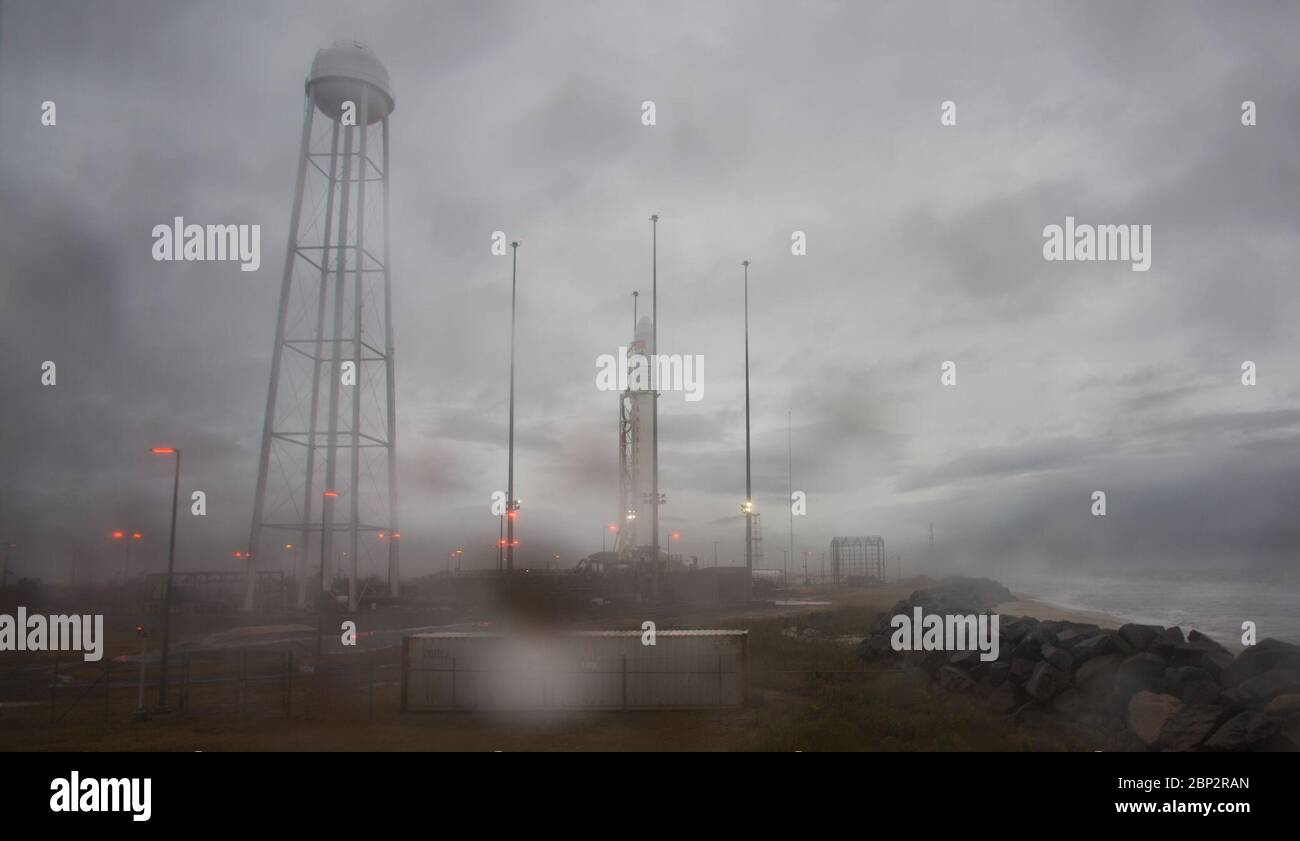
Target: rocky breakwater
x=1140, y=687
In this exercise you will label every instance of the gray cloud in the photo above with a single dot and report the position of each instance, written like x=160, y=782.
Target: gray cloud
x=924, y=246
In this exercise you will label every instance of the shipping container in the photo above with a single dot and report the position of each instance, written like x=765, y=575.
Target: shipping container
x=581, y=670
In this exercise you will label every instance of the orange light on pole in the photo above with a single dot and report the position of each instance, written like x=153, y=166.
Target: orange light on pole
x=135, y=535
x=163, y=451
x=118, y=535
x=331, y=494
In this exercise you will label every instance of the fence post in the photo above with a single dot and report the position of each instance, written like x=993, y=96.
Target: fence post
x=54, y=685
x=288, y=684
x=243, y=678
x=624, y=658
x=372, y=690
x=108, y=684
x=406, y=648
x=185, y=685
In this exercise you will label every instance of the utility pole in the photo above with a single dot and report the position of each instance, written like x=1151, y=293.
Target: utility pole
x=654, y=395
x=749, y=490
x=511, y=511
x=171, y=566
x=789, y=463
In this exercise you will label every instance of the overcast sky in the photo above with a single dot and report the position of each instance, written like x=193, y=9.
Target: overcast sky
x=924, y=245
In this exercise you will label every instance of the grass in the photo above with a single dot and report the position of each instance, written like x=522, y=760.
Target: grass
x=806, y=695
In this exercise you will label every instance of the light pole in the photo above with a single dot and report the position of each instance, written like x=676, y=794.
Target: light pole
x=328, y=505
x=510, y=470
x=789, y=455
x=141, y=714
x=612, y=528
x=654, y=395
x=245, y=559
x=749, y=492
x=171, y=567
x=296, y=562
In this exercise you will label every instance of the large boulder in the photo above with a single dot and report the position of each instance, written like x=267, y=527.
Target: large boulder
x=1180, y=675
x=1027, y=649
x=1058, y=657
x=1284, y=706
x=1013, y=629
x=1200, y=651
x=1073, y=633
x=1201, y=692
x=1144, y=671
x=1168, y=639
x=959, y=594
x=1096, y=677
x=1047, y=682
x=1263, y=688
x=1021, y=669
x=1095, y=646
x=1148, y=712
x=1140, y=636
x=1189, y=726
x=1264, y=656
x=1246, y=730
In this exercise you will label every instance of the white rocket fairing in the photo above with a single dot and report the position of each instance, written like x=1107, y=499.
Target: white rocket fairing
x=636, y=455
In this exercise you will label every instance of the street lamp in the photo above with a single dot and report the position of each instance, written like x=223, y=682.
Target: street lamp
x=510, y=470
x=612, y=528
x=748, y=507
x=654, y=397
x=171, y=567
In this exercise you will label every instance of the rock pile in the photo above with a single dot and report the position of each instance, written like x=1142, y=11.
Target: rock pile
x=1138, y=687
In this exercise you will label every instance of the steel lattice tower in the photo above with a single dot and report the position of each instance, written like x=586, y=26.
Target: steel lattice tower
x=336, y=265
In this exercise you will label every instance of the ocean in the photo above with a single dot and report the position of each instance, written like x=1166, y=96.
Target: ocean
x=1214, y=603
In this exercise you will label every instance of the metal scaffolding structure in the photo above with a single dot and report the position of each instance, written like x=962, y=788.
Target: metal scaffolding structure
x=857, y=559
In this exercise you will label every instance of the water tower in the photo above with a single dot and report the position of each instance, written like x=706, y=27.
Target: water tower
x=331, y=394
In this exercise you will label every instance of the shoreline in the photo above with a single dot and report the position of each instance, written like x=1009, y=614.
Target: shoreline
x=1048, y=611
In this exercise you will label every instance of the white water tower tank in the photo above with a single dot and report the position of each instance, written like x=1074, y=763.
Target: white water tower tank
x=340, y=73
